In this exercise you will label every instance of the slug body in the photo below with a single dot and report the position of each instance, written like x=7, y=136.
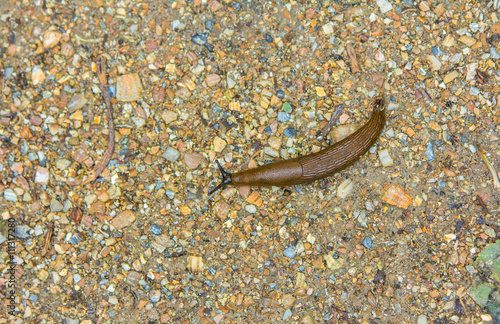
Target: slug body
x=314, y=166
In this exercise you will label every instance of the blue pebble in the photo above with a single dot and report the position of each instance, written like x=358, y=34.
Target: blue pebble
x=200, y=39
x=409, y=47
x=399, y=9
x=283, y=117
x=208, y=283
x=75, y=239
x=237, y=6
x=7, y=73
x=290, y=132
x=268, y=130
x=263, y=59
x=24, y=147
x=269, y=38
x=209, y=24
x=33, y=298
x=290, y=252
x=442, y=184
x=280, y=94
x=367, y=242
x=112, y=90
x=436, y=51
x=429, y=152
x=272, y=285
x=480, y=220
x=288, y=314
x=464, y=139
x=155, y=229
x=212, y=271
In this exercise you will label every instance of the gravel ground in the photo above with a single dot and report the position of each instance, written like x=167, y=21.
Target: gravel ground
x=113, y=221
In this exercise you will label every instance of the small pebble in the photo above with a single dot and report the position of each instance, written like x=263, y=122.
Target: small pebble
x=55, y=205
x=78, y=101
x=251, y=209
x=200, y=39
x=209, y=24
x=289, y=132
x=289, y=252
x=280, y=94
x=287, y=107
x=422, y=319
x=287, y=315
x=10, y=195
x=154, y=296
x=367, y=243
x=155, y=229
x=436, y=51
x=22, y=232
x=474, y=91
x=42, y=175
x=283, y=117
x=429, y=152
x=384, y=6
x=171, y=154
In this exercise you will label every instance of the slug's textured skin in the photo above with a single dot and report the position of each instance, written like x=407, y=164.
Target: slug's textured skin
x=315, y=166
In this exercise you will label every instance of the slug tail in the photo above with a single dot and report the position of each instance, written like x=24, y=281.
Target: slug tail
x=226, y=179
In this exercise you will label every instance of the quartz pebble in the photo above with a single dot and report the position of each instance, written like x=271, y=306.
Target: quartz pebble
x=76, y=102
x=345, y=188
x=385, y=158
x=171, y=154
x=384, y=6
x=42, y=175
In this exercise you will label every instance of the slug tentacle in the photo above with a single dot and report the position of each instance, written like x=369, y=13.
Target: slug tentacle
x=226, y=179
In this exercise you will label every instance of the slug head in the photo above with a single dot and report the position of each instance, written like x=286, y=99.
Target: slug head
x=226, y=179
x=378, y=104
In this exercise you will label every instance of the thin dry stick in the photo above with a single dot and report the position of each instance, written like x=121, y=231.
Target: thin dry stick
x=336, y=115
x=482, y=204
x=48, y=237
x=352, y=57
x=482, y=155
x=101, y=75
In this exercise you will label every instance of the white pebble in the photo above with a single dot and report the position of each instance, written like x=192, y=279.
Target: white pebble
x=384, y=5
x=385, y=158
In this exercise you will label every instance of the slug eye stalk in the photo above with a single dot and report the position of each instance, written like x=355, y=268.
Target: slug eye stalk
x=226, y=179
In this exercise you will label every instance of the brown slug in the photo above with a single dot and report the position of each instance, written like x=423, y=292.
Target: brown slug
x=314, y=166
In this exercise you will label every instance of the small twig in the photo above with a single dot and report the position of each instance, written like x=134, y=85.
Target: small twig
x=176, y=254
x=352, y=57
x=87, y=40
x=336, y=115
x=101, y=75
x=482, y=77
x=482, y=204
x=9, y=115
x=328, y=184
x=204, y=122
x=482, y=155
x=48, y=237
